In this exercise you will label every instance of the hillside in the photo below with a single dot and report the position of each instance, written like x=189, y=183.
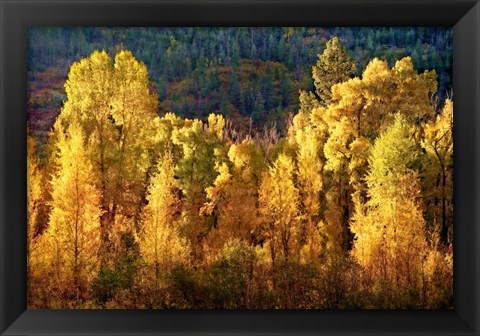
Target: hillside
x=241, y=73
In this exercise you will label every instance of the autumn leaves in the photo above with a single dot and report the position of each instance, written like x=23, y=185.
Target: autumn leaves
x=97, y=165
x=352, y=208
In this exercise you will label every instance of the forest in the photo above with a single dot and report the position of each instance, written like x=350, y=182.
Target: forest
x=334, y=192
x=243, y=73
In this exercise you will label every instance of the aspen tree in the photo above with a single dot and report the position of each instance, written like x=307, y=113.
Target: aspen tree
x=279, y=200
x=114, y=106
x=201, y=147
x=35, y=199
x=390, y=233
x=438, y=143
x=161, y=245
x=72, y=236
x=234, y=194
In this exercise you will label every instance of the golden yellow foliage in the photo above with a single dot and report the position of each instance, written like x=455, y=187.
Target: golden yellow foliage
x=438, y=143
x=279, y=200
x=390, y=231
x=72, y=239
x=179, y=213
x=34, y=189
x=161, y=245
x=112, y=103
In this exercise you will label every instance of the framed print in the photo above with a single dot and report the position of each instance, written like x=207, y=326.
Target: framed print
x=239, y=167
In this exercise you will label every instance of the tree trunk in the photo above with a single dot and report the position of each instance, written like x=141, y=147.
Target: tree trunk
x=444, y=232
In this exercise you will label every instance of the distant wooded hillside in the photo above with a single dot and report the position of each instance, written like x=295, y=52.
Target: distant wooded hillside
x=249, y=75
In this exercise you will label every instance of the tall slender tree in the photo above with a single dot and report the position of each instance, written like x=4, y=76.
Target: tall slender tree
x=161, y=245
x=390, y=240
x=438, y=143
x=279, y=203
x=72, y=239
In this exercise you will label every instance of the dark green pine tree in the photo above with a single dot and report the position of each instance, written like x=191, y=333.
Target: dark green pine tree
x=258, y=111
x=333, y=66
x=224, y=104
x=162, y=88
x=267, y=89
x=285, y=90
x=235, y=90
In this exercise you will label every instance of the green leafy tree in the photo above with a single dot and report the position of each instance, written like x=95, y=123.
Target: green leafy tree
x=201, y=149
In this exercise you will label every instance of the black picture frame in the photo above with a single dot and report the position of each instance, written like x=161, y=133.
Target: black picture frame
x=17, y=16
